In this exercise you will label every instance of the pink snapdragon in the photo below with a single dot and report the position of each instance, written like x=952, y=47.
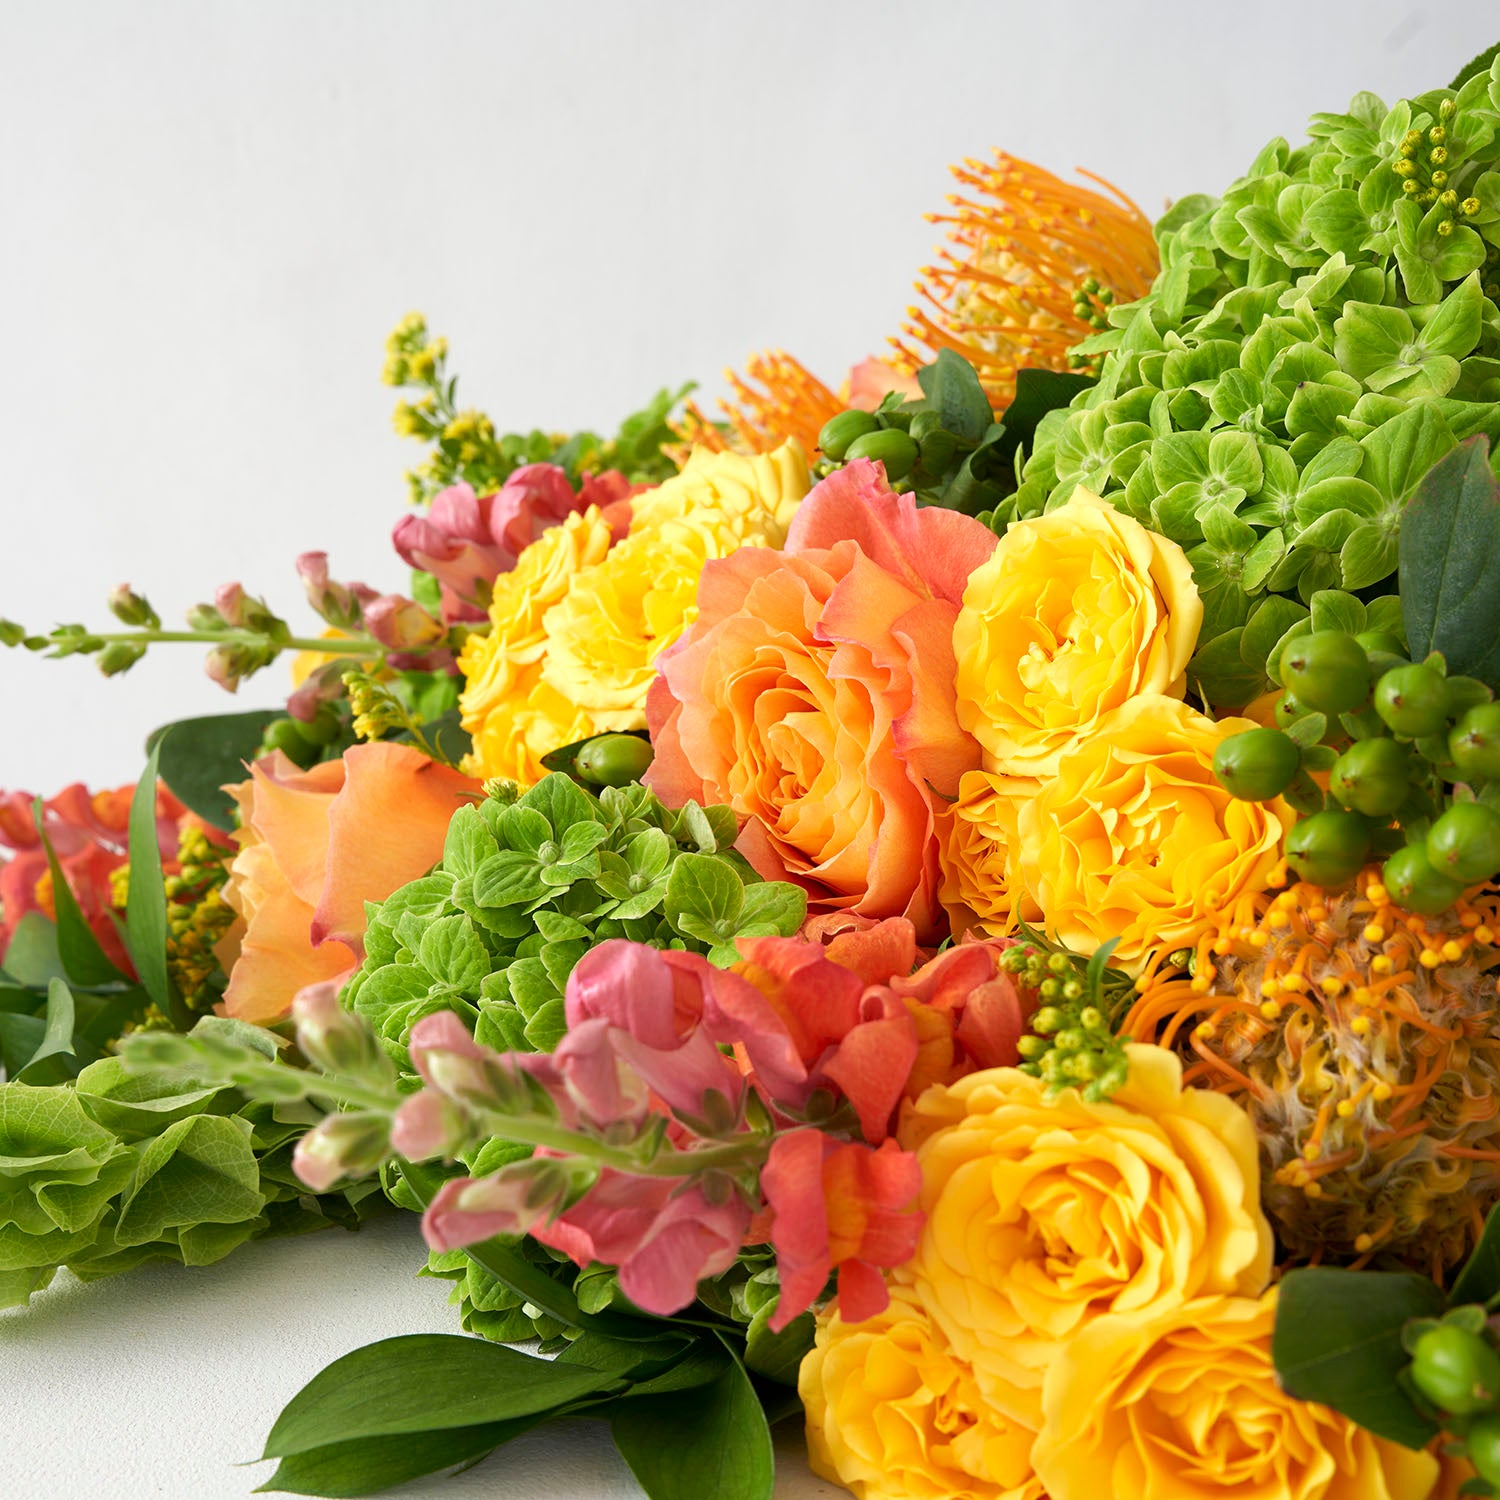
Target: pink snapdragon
x=466, y=541
x=839, y=1206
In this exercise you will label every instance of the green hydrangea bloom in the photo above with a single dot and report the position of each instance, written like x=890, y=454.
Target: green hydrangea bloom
x=526, y=887
x=1316, y=340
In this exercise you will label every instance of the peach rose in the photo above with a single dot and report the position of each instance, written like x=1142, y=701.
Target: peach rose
x=1044, y=1215
x=977, y=834
x=1075, y=613
x=814, y=695
x=1188, y=1405
x=1135, y=836
x=315, y=845
x=893, y=1414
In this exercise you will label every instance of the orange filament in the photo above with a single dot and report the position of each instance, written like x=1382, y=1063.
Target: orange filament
x=1009, y=290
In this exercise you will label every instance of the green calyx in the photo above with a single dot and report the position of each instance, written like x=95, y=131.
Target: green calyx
x=1317, y=339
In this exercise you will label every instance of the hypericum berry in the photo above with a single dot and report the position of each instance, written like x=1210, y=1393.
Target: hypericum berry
x=1458, y=1371
x=891, y=447
x=289, y=737
x=1288, y=710
x=1327, y=670
x=1482, y=1440
x=1372, y=777
x=1464, y=844
x=613, y=759
x=1381, y=640
x=1475, y=742
x=1328, y=848
x=1257, y=765
x=1412, y=882
x=1413, y=701
x=838, y=432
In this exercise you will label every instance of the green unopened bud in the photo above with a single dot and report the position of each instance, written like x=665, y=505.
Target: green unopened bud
x=1091, y=1018
x=1411, y=186
x=1446, y=227
x=1469, y=207
x=130, y=608
x=1051, y=989
x=1438, y=155
x=1439, y=179
x=119, y=656
x=1437, y=135
x=1047, y=1020
x=1072, y=989
x=1032, y=1047
x=1081, y=1066
x=1447, y=109
x=1058, y=962
x=1070, y=1040
x=204, y=617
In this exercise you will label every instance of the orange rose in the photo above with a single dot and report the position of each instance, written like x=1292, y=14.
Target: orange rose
x=814, y=695
x=316, y=845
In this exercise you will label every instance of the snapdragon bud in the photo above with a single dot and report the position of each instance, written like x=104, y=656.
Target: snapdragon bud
x=130, y=608
x=335, y=1039
x=119, y=656
x=345, y=1145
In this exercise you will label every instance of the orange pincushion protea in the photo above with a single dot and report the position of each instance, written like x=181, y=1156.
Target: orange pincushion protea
x=1030, y=266
x=1364, y=1041
x=778, y=398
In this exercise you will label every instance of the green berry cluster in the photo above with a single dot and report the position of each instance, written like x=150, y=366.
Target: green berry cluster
x=1456, y=1368
x=1072, y=1042
x=1412, y=757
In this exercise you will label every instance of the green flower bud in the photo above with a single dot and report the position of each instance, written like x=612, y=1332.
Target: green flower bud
x=894, y=449
x=614, y=759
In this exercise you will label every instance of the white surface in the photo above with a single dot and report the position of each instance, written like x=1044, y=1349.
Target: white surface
x=215, y=211
x=153, y=1385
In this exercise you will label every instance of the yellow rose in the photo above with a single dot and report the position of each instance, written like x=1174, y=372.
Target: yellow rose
x=1135, y=838
x=511, y=715
x=1187, y=1406
x=603, y=638
x=1075, y=613
x=892, y=1414
x=1043, y=1216
x=977, y=834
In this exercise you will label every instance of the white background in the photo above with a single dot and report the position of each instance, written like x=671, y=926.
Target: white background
x=211, y=214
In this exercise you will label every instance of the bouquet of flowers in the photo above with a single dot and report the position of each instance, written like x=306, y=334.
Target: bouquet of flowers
x=960, y=910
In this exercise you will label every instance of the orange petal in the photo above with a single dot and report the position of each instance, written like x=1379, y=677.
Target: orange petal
x=385, y=828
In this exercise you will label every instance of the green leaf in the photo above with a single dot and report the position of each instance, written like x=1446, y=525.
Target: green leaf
x=452, y=952
x=1037, y=392
x=44, y=1065
x=200, y=1170
x=953, y=391
x=775, y=907
x=134, y=1104
x=704, y=898
x=366, y=1466
x=426, y=1382
x=198, y=757
x=1338, y=1341
x=32, y=959
x=1479, y=1280
x=1334, y=610
x=778, y=1356
x=1449, y=559
x=146, y=900
x=711, y=1440
x=84, y=961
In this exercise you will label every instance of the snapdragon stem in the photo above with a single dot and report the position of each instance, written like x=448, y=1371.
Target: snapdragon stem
x=326, y=646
